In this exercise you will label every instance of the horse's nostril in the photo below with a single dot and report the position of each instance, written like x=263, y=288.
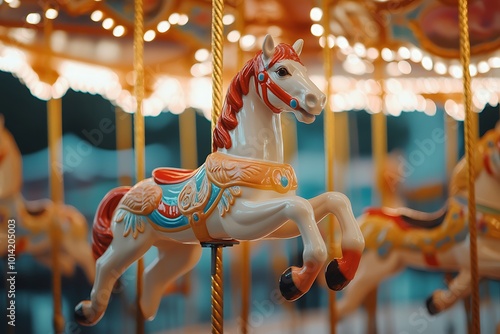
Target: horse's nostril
x=311, y=100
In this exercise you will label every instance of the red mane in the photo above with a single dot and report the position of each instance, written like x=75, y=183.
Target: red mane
x=239, y=87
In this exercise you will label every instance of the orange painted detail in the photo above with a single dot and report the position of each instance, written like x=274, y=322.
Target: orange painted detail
x=168, y=175
x=349, y=262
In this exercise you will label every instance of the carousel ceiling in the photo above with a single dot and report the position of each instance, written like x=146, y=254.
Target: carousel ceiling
x=87, y=45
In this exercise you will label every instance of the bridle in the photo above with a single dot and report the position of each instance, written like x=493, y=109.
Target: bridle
x=266, y=84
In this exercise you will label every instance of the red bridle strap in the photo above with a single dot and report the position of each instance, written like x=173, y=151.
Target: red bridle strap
x=266, y=84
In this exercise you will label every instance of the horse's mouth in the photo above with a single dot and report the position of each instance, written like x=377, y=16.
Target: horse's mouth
x=304, y=116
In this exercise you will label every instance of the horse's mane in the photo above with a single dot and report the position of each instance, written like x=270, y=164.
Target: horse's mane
x=239, y=87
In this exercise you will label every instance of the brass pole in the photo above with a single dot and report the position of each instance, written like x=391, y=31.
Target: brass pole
x=470, y=140
x=56, y=179
x=123, y=122
x=54, y=117
x=329, y=128
x=139, y=136
x=217, y=64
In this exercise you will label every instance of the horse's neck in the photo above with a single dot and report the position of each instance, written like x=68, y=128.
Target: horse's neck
x=487, y=190
x=258, y=134
x=10, y=169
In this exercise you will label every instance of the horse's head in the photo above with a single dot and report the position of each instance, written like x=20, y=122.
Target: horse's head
x=490, y=145
x=283, y=84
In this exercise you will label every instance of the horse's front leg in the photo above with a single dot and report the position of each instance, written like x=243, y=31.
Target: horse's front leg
x=258, y=217
x=341, y=271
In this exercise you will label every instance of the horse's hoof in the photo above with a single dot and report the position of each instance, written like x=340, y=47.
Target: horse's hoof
x=334, y=277
x=80, y=316
x=431, y=307
x=288, y=288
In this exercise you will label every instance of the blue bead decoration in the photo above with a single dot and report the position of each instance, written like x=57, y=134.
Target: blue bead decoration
x=293, y=103
x=284, y=181
x=195, y=217
x=261, y=76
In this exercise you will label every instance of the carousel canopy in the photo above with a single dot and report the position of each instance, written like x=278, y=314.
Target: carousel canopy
x=87, y=45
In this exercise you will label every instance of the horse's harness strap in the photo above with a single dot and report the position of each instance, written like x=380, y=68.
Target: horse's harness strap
x=266, y=83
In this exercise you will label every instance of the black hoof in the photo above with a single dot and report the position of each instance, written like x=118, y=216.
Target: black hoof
x=334, y=277
x=80, y=316
x=288, y=289
x=431, y=307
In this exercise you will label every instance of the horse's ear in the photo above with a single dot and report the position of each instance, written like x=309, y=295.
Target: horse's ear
x=297, y=46
x=268, y=48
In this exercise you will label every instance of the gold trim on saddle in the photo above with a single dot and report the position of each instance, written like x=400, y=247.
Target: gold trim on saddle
x=226, y=171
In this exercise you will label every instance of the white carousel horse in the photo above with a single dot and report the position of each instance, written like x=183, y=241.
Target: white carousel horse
x=33, y=219
x=244, y=191
x=400, y=238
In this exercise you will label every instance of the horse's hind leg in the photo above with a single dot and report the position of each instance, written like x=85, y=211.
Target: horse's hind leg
x=122, y=252
x=174, y=259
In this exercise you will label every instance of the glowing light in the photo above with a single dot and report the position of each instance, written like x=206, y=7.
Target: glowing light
x=149, y=35
x=174, y=18
x=163, y=26
x=331, y=41
x=440, y=68
x=372, y=53
x=473, y=70
x=404, y=52
x=247, y=42
x=201, y=55
x=316, y=14
x=317, y=29
x=494, y=62
x=404, y=67
x=455, y=71
x=51, y=13
x=108, y=23
x=360, y=50
x=183, y=19
x=342, y=42
x=416, y=55
x=427, y=63
x=228, y=19
x=430, y=107
x=33, y=18
x=96, y=16
x=118, y=31
x=233, y=36
x=387, y=54
x=15, y=4
x=483, y=67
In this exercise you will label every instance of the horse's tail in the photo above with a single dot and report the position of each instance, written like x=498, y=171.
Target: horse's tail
x=101, y=230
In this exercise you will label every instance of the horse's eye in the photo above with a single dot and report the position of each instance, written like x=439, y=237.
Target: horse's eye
x=282, y=72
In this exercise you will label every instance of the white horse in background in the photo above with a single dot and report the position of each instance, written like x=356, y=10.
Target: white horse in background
x=244, y=191
x=400, y=238
x=34, y=219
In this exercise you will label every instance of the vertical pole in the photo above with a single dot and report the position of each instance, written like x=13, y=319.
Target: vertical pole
x=187, y=132
x=123, y=122
x=329, y=128
x=451, y=143
x=470, y=140
x=54, y=117
x=139, y=136
x=217, y=63
x=54, y=120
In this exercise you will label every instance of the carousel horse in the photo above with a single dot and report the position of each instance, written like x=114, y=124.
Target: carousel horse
x=400, y=238
x=243, y=191
x=34, y=219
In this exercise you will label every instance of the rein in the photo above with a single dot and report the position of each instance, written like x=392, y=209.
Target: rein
x=266, y=84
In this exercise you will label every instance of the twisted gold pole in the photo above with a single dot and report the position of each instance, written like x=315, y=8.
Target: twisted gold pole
x=139, y=137
x=217, y=291
x=470, y=139
x=329, y=126
x=217, y=40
